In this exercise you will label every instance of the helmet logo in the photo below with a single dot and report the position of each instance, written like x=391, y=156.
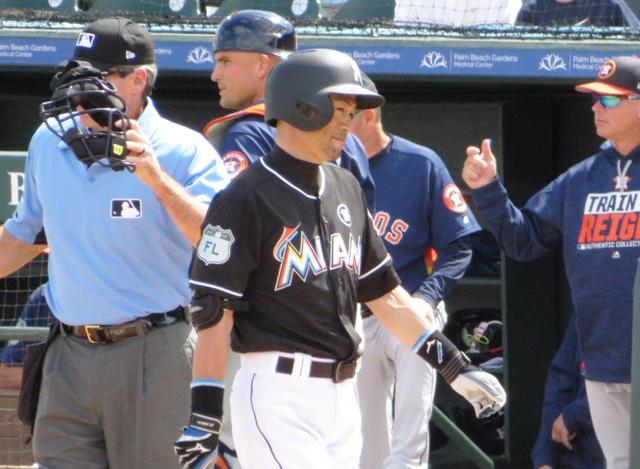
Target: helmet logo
x=357, y=74
x=117, y=149
x=86, y=40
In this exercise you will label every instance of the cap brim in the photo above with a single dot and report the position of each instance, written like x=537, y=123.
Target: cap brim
x=599, y=87
x=365, y=99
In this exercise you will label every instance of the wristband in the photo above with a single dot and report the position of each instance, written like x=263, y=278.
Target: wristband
x=206, y=404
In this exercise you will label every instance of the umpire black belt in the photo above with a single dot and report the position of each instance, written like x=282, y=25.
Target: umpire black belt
x=101, y=335
x=337, y=371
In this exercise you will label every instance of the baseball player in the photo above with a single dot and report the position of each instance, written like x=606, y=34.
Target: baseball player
x=591, y=211
x=286, y=253
x=121, y=193
x=435, y=226
x=248, y=44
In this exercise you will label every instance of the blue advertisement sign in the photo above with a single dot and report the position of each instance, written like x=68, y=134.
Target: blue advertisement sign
x=481, y=62
x=518, y=60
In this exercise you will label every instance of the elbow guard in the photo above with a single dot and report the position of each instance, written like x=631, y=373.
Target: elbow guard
x=206, y=309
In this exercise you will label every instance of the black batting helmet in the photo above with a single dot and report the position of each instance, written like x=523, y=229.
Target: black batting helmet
x=256, y=31
x=299, y=89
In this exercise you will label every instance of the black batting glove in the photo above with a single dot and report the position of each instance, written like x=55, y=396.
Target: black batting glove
x=197, y=446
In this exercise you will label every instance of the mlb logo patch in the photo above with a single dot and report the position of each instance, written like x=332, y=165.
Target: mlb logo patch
x=126, y=208
x=86, y=40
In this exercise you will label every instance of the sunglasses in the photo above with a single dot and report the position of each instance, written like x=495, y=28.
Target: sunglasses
x=612, y=102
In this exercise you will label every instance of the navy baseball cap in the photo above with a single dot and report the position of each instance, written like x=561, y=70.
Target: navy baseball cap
x=112, y=42
x=619, y=76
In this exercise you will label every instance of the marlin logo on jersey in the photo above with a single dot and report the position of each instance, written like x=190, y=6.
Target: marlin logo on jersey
x=611, y=220
x=306, y=257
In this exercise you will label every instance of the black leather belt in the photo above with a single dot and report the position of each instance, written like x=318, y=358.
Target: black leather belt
x=101, y=335
x=337, y=371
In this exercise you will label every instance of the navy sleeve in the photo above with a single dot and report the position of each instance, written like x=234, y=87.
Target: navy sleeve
x=562, y=388
x=523, y=234
x=576, y=414
x=354, y=158
x=239, y=149
x=450, y=266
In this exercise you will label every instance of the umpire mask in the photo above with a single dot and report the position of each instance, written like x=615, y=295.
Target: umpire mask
x=80, y=89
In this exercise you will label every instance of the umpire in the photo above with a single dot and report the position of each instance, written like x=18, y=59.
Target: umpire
x=289, y=244
x=115, y=382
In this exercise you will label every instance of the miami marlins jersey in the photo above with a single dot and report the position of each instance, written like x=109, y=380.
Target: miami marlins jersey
x=429, y=213
x=294, y=239
x=242, y=137
x=593, y=212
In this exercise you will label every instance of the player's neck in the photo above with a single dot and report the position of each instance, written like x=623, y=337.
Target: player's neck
x=624, y=146
x=377, y=141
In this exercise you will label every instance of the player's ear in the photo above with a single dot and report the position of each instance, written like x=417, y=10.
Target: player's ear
x=370, y=115
x=265, y=63
x=140, y=77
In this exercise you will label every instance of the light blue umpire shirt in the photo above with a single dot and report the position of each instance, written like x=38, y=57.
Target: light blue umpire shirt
x=116, y=254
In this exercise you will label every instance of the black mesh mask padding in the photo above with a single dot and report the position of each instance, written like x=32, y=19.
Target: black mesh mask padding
x=79, y=90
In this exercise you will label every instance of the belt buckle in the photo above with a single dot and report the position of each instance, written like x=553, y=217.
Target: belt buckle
x=90, y=337
x=343, y=370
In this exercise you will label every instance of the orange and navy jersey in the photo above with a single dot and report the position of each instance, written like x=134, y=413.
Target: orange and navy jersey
x=592, y=212
x=241, y=137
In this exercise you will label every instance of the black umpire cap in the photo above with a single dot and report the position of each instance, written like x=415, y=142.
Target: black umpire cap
x=112, y=42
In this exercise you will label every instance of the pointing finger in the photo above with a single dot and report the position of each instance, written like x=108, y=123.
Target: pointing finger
x=487, y=155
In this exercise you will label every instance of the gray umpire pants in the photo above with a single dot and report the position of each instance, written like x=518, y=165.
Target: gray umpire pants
x=115, y=406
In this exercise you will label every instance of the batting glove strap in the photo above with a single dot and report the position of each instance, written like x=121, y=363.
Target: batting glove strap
x=483, y=391
x=205, y=423
x=443, y=356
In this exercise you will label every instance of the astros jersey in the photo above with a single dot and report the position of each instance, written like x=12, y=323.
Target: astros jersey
x=593, y=212
x=430, y=213
x=294, y=240
x=243, y=137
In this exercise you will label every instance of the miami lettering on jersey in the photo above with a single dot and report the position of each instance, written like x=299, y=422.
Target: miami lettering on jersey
x=610, y=220
x=306, y=257
x=391, y=231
